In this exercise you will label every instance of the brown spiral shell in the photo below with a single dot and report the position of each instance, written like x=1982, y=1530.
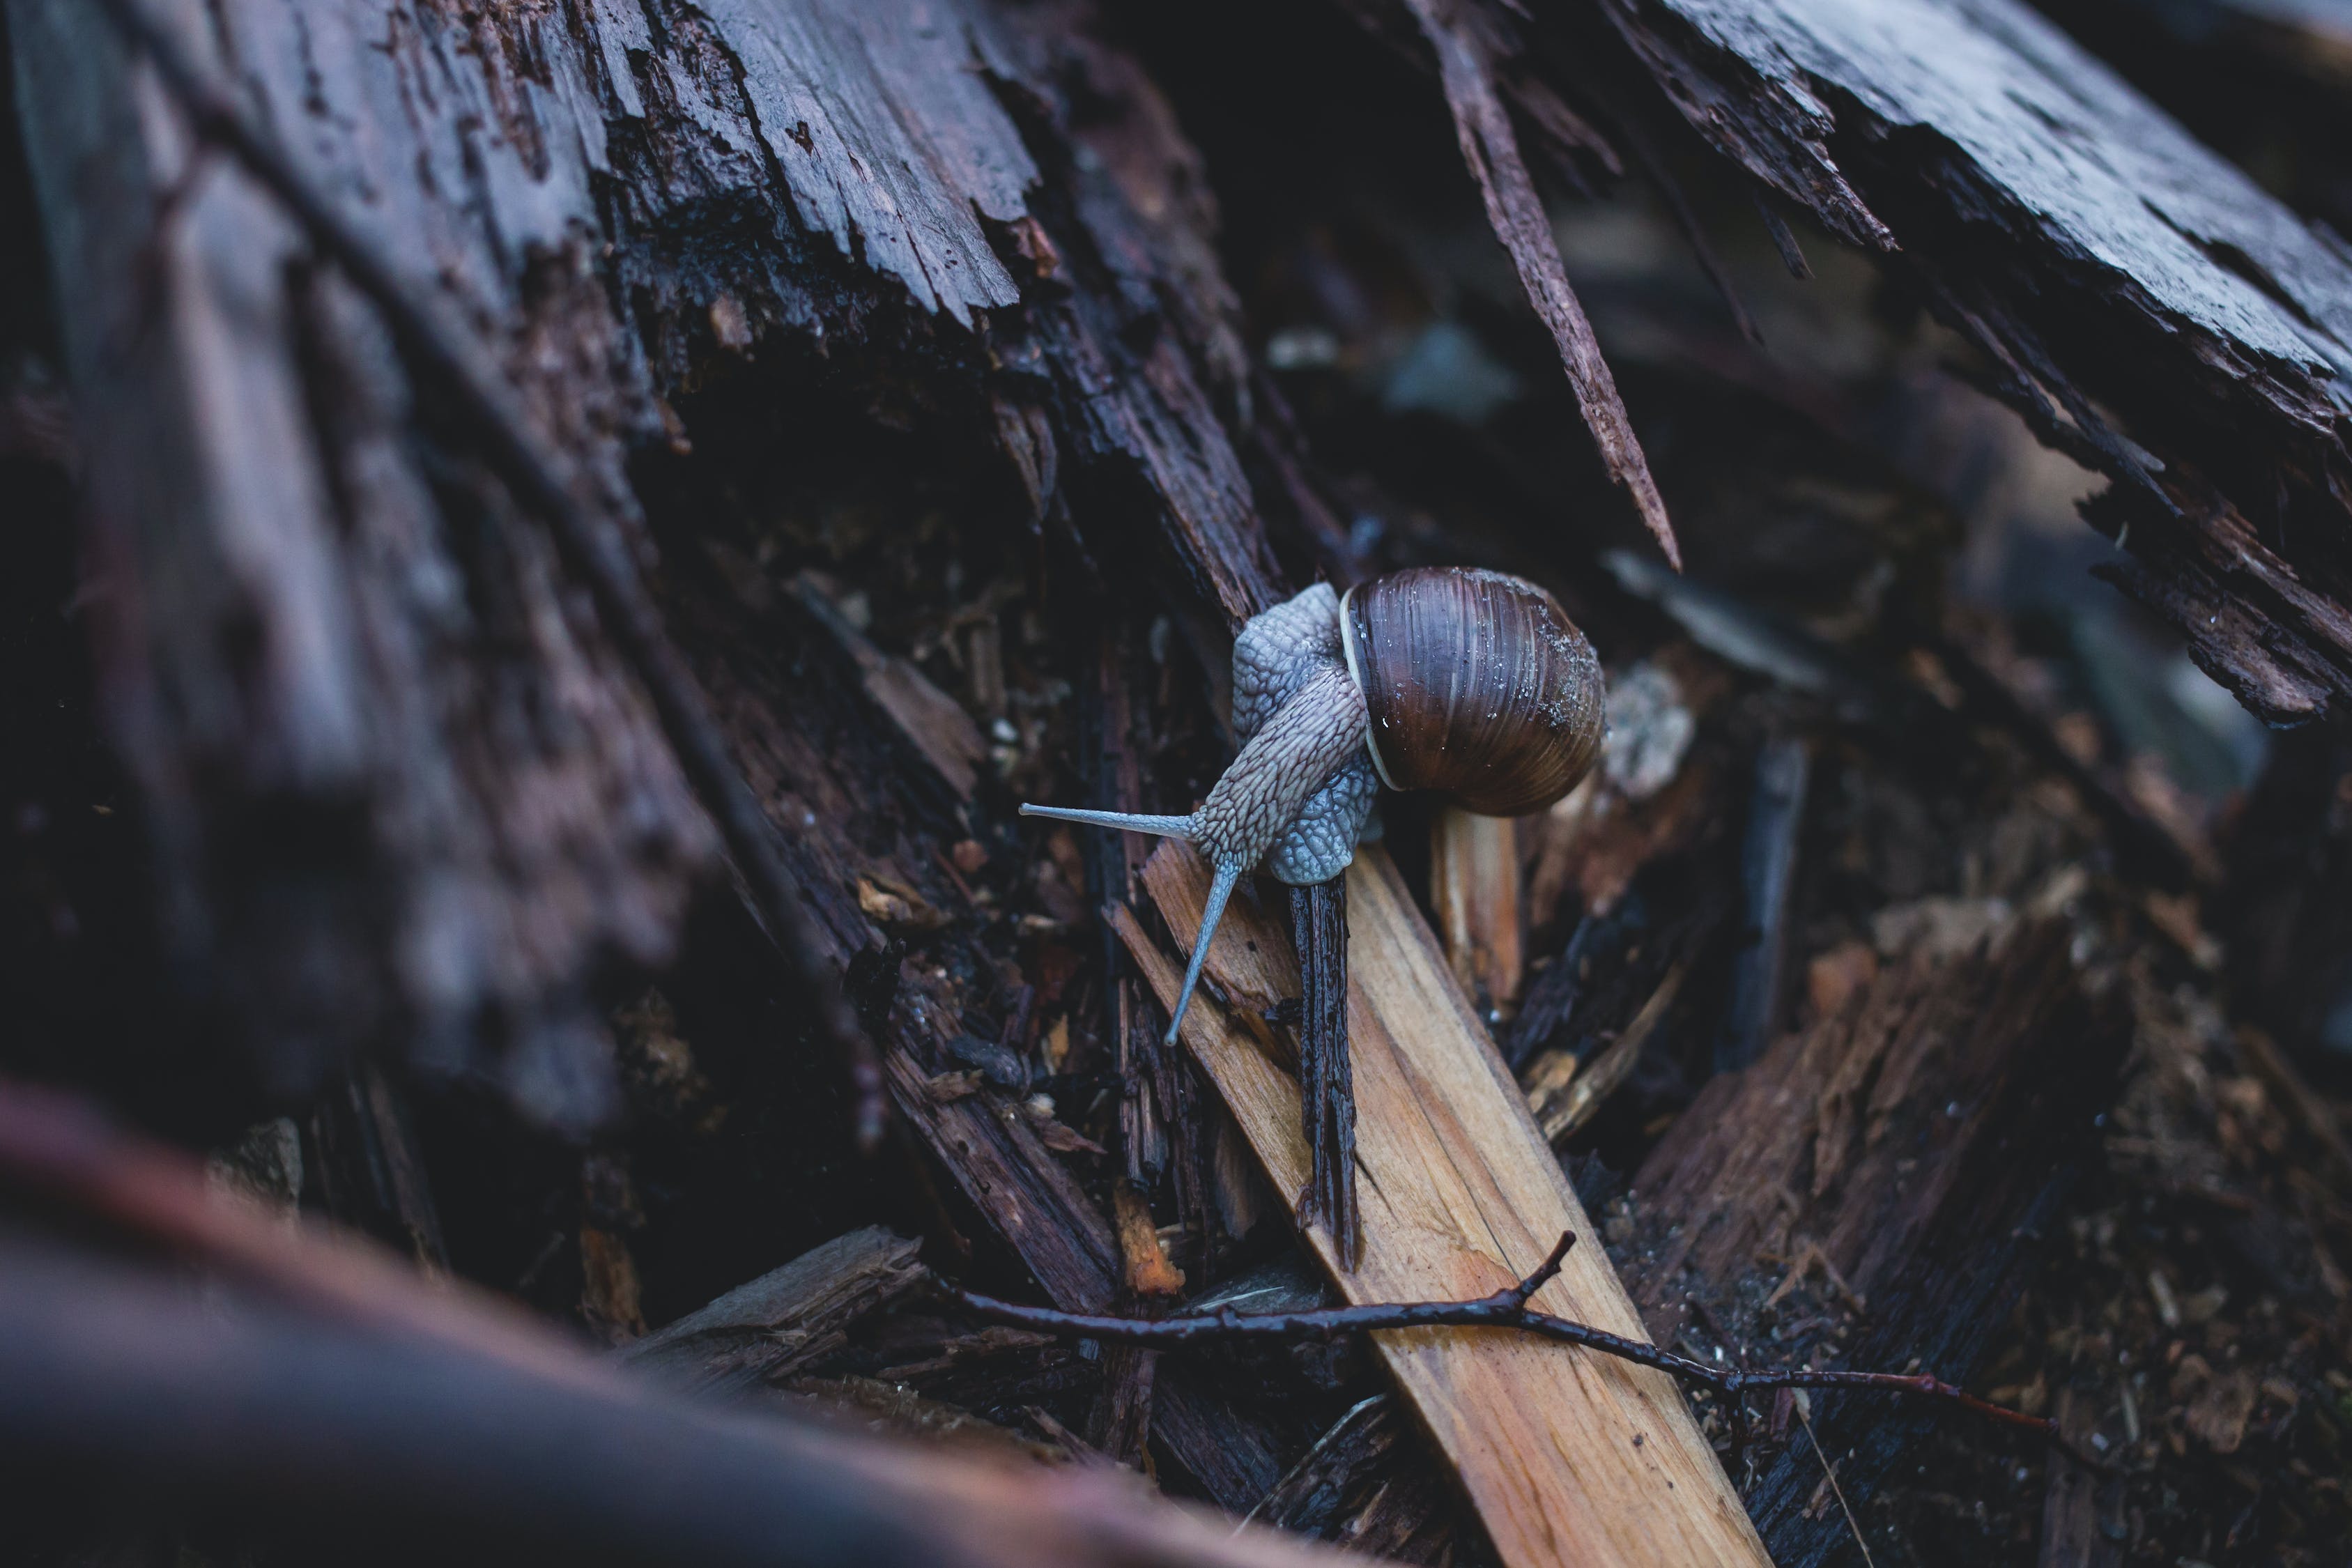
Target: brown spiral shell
x=1479, y=686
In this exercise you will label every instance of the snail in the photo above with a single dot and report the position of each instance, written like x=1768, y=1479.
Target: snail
x=1469, y=683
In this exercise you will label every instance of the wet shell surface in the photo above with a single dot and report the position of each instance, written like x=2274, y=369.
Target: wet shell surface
x=1479, y=686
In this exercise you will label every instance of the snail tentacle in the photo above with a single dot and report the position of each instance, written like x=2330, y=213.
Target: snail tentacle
x=1221, y=889
x=1159, y=826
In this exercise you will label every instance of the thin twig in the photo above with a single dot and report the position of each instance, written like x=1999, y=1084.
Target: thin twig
x=1830, y=1472
x=1506, y=1309
x=452, y=358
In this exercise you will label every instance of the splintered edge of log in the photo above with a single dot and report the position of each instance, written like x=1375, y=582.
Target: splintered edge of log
x=1568, y=1458
x=1564, y=1095
x=322, y=1381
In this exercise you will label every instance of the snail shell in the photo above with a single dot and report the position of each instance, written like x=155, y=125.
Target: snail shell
x=1478, y=686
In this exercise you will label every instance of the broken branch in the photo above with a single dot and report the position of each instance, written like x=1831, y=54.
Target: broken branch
x=1491, y=148
x=1505, y=1309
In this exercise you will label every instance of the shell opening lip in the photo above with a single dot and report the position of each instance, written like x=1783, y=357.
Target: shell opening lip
x=1356, y=673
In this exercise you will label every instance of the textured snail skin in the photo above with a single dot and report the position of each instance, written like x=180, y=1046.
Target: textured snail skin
x=1276, y=654
x=1270, y=784
x=1297, y=796
x=1478, y=686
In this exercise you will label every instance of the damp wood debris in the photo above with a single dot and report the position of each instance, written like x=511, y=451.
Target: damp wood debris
x=550, y=544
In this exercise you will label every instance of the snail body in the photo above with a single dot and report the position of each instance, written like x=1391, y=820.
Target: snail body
x=1472, y=684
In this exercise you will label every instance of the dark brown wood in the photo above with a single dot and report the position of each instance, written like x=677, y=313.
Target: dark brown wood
x=424, y=805
x=880, y=174
x=788, y=1319
x=1327, y=1094
x=1361, y=1487
x=321, y=1383
x=365, y=1170
x=1161, y=1127
x=1768, y=870
x=1873, y=1188
x=1565, y=1091
x=1119, y=1425
x=2082, y=1510
x=2147, y=307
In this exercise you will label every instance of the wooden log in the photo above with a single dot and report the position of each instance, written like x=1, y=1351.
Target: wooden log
x=321, y=1382
x=1568, y=1458
x=339, y=639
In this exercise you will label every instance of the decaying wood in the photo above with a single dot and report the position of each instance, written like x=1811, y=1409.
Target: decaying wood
x=370, y=1174
x=126, y=1381
x=766, y=1331
x=1776, y=816
x=1473, y=891
x=2081, y=1522
x=319, y=619
x=275, y=664
x=1351, y=1489
x=1326, y=1103
x=330, y=625
x=1564, y=1092
x=1461, y=1196
x=2144, y=305
x=941, y=732
x=1160, y=1126
x=1892, y=1161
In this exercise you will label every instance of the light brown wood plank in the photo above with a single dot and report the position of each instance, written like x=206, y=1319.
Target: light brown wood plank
x=1570, y=1458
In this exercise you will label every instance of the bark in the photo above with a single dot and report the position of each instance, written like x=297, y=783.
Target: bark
x=1359, y=1487
x=769, y=1329
x=335, y=640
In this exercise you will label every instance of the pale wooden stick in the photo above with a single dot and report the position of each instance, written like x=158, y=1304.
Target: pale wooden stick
x=1573, y=1461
